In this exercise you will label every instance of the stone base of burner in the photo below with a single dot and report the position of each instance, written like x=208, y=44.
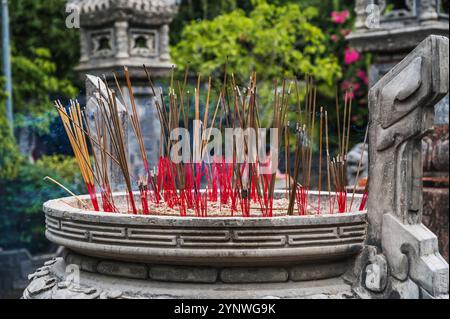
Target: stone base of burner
x=81, y=277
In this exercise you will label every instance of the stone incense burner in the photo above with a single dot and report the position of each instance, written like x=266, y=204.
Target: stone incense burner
x=215, y=257
x=319, y=256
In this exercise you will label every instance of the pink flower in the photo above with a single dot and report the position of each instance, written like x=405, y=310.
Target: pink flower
x=363, y=76
x=339, y=17
x=334, y=38
x=351, y=56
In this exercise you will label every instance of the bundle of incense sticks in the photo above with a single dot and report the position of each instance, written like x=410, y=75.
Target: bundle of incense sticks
x=73, y=124
x=338, y=164
x=237, y=187
x=303, y=149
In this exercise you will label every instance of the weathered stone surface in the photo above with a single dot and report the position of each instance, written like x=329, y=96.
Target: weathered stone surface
x=357, y=163
x=253, y=275
x=114, y=34
x=395, y=30
x=98, y=94
x=84, y=262
x=183, y=274
x=401, y=109
x=145, y=21
x=16, y=266
x=219, y=242
x=435, y=215
x=318, y=271
x=404, y=290
x=376, y=274
x=55, y=285
x=127, y=270
x=415, y=255
x=435, y=152
x=389, y=39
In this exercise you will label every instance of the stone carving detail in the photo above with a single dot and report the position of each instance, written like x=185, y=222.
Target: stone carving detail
x=164, y=31
x=353, y=163
x=435, y=152
x=97, y=91
x=101, y=43
x=127, y=280
x=117, y=33
x=153, y=6
x=428, y=9
x=401, y=112
x=360, y=10
x=401, y=109
x=405, y=12
x=84, y=48
x=138, y=28
x=197, y=238
x=409, y=9
x=190, y=241
x=143, y=42
x=121, y=28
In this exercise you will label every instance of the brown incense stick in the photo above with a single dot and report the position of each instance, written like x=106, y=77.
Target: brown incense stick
x=328, y=160
x=320, y=154
x=359, y=167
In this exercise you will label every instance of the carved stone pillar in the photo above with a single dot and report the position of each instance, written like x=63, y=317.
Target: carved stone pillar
x=84, y=48
x=164, y=40
x=401, y=107
x=398, y=31
x=121, y=28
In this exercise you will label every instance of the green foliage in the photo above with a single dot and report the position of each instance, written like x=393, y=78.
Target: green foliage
x=191, y=10
x=65, y=167
x=34, y=83
x=44, y=53
x=41, y=24
x=22, y=221
x=275, y=41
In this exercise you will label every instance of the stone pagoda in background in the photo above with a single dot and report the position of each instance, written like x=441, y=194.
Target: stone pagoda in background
x=389, y=30
x=131, y=33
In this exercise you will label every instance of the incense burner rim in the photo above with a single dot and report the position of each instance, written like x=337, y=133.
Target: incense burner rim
x=211, y=242
x=61, y=205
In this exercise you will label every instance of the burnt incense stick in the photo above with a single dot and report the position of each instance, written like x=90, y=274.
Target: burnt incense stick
x=320, y=156
x=83, y=203
x=359, y=166
x=338, y=120
x=348, y=122
x=328, y=161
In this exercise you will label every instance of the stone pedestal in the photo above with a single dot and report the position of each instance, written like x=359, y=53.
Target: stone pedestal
x=389, y=32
